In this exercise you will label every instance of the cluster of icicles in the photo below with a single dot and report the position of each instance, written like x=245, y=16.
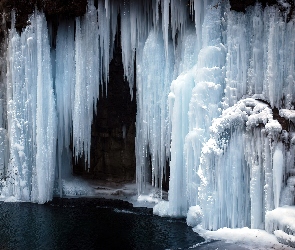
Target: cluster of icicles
x=205, y=92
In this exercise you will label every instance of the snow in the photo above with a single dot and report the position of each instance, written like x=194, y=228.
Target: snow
x=194, y=216
x=162, y=209
x=285, y=238
x=76, y=187
x=282, y=218
x=147, y=198
x=11, y=199
x=288, y=114
x=244, y=237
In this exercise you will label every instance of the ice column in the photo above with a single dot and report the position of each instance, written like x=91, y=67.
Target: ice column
x=45, y=117
x=31, y=114
x=154, y=75
x=195, y=99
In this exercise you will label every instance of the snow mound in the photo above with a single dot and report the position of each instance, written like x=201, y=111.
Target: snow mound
x=161, y=209
x=194, y=216
x=281, y=222
x=11, y=199
x=245, y=237
x=285, y=238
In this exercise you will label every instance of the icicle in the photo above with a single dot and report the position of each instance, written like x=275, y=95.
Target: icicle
x=46, y=117
x=128, y=39
x=88, y=77
x=278, y=170
x=64, y=88
x=165, y=4
x=152, y=136
x=273, y=81
x=106, y=36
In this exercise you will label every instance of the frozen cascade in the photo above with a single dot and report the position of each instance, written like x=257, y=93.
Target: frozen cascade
x=152, y=128
x=31, y=114
x=214, y=90
x=194, y=94
x=259, y=46
x=235, y=171
x=31, y=101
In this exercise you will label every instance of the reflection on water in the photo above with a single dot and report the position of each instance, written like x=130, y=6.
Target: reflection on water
x=32, y=226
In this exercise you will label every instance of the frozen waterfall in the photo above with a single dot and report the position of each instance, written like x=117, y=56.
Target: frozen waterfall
x=214, y=91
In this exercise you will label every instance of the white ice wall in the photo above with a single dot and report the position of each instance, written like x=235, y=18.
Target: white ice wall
x=31, y=114
x=237, y=169
x=206, y=89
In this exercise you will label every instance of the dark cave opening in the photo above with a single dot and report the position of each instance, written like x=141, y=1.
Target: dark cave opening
x=112, y=156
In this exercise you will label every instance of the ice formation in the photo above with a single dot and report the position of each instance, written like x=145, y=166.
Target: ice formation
x=215, y=89
x=31, y=115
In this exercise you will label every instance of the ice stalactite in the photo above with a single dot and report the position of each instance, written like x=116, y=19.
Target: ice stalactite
x=152, y=136
x=128, y=40
x=87, y=57
x=86, y=46
x=258, y=62
x=65, y=81
x=64, y=88
x=45, y=117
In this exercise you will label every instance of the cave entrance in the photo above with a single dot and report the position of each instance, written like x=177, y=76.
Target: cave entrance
x=112, y=156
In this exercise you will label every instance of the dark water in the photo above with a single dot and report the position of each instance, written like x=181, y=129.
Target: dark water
x=80, y=225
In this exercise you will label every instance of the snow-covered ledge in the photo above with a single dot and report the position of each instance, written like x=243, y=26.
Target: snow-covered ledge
x=281, y=222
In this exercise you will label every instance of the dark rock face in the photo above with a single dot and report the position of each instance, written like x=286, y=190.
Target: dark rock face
x=113, y=129
x=53, y=9
x=60, y=9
